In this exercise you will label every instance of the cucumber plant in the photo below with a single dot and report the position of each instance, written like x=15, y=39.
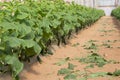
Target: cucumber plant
x=28, y=27
x=116, y=12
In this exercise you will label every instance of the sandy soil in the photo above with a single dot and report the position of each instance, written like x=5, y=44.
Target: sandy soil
x=107, y=28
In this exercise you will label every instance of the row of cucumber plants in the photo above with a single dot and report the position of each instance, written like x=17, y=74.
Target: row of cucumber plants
x=116, y=13
x=27, y=28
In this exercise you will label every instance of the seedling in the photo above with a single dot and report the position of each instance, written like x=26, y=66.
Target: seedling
x=63, y=61
x=107, y=45
x=90, y=45
x=76, y=44
x=94, y=59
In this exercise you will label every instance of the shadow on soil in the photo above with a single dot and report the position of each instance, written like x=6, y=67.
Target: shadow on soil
x=28, y=68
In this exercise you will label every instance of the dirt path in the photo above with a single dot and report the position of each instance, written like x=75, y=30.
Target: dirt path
x=102, y=38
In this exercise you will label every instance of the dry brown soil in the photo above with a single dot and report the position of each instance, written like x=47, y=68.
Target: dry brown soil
x=105, y=29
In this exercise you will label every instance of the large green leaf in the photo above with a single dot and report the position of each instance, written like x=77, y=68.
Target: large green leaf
x=13, y=41
x=8, y=25
x=31, y=44
x=28, y=43
x=14, y=64
x=23, y=29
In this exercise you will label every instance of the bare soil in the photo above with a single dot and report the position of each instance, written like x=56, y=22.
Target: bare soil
x=105, y=29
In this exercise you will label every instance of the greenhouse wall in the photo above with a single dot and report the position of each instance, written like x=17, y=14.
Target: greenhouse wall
x=4, y=0
x=97, y=3
x=106, y=5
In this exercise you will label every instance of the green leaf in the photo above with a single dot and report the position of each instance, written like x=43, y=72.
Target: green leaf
x=55, y=23
x=45, y=23
x=22, y=16
x=76, y=44
x=23, y=29
x=116, y=73
x=70, y=77
x=90, y=66
x=64, y=71
x=28, y=43
x=71, y=66
x=29, y=52
x=98, y=74
x=31, y=44
x=13, y=41
x=82, y=79
x=8, y=25
x=63, y=61
x=66, y=28
x=37, y=48
x=95, y=59
x=15, y=64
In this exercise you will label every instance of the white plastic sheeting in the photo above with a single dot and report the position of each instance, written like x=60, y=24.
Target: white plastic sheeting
x=96, y=3
x=106, y=5
x=106, y=2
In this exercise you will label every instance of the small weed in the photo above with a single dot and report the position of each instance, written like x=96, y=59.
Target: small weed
x=62, y=61
x=94, y=59
x=98, y=74
x=71, y=74
x=103, y=31
x=90, y=45
x=68, y=73
x=76, y=44
x=71, y=66
x=64, y=71
x=107, y=44
x=92, y=41
x=111, y=41
x=115, y=73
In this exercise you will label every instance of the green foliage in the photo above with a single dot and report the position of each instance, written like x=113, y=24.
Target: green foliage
x=91, y=45
x=73, y=74
x=94, y=59
x=68, y=73
x=71, y=77
x=98, y=74
x=64, y=71
x=76, y=44
x=27, y=28
x=62, y=61
x=116, y=13
x=71, y=66
x=14, y=64
x=107, y=45
x=115, y=73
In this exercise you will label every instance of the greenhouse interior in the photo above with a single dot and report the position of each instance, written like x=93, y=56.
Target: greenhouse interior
x=106, y=5
x=59, y=39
